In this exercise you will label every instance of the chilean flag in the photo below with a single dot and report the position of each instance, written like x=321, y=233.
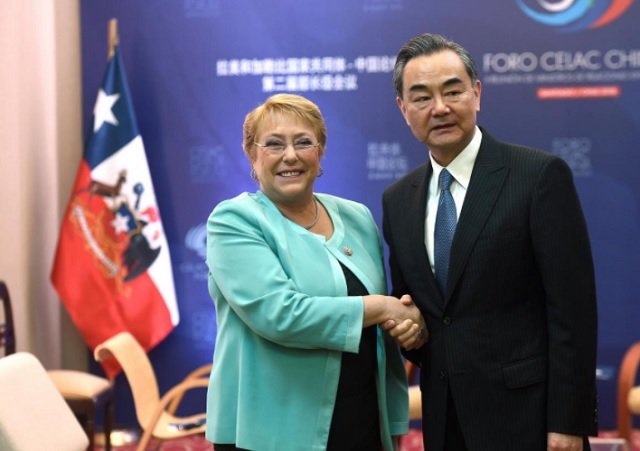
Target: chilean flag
x=112, y=266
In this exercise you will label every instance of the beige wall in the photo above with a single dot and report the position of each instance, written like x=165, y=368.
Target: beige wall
x=41, y=136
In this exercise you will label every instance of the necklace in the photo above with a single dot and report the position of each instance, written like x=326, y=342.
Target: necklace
x=315, y=219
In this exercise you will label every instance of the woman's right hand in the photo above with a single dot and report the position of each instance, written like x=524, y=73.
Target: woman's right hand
x=409, y=334
x=400, y=317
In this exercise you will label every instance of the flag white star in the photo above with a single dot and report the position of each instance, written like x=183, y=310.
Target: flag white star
x=120, y=223
x=102, y=111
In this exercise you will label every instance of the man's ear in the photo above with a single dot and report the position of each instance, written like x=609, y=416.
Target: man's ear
x=477, y=90
x=403, y=108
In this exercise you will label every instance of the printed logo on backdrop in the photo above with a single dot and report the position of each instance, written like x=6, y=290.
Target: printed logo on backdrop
x=196, y=241
x=584, y=73
x=574, y=15
x=202, y=328
x=376, y=6
x=202, y=8
x=306, y=73
x=385, y=161
x=207, y=164
x=202, y=325
x=576, y=152
x=561, y=73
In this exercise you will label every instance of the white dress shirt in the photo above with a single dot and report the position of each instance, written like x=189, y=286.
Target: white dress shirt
x=460, y=168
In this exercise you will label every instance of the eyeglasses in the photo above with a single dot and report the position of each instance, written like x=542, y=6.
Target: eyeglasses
x=277, y=147
x=426, y=101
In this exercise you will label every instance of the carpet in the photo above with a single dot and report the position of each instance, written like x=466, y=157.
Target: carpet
x=411, y=442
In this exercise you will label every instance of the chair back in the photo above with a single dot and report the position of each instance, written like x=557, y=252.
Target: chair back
x=138, y=370
x=415, y=395
x=7, y=331
x=33, y=414
x=627, y=377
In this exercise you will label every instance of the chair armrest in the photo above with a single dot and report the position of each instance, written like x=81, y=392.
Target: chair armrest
x=198, y=373
x=177, y=390
x=204, y=370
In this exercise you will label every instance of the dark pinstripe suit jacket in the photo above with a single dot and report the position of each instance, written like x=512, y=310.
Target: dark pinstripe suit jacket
x=514, y=338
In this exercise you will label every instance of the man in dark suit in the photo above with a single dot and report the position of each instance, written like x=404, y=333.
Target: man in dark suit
x=510, y=360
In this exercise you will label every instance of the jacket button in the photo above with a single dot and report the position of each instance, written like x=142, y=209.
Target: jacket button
x=443, y=375
x=446, y=320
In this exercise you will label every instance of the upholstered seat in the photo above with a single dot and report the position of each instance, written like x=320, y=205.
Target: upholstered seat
x=33, y=414
x=84, y=392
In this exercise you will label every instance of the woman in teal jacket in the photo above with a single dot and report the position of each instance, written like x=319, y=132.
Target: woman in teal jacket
x=297, y=278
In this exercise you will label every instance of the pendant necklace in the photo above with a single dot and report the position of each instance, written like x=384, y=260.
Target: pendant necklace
x=315, y=219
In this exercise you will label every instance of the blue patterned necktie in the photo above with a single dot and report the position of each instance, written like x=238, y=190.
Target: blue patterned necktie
x=444, y=230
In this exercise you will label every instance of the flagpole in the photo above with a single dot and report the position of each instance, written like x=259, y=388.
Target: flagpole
x=113, y=36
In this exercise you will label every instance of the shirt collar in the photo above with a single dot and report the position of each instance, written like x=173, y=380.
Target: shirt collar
x=462, y=166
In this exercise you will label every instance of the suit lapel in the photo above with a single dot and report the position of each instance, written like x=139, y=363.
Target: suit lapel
x=488, y=177
x=415, y=216
x=416, y=207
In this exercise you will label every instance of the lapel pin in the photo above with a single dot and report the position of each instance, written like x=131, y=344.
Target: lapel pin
x=348, y=251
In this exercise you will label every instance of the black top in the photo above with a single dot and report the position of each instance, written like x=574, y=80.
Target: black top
x=355, y=425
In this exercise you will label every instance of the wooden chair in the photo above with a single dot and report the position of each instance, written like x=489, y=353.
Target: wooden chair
x=84, y=392
x=155, y=414
x=628, y=398
x=7, y=334
x=633, y=400
x=33, y=414
x=415, y=396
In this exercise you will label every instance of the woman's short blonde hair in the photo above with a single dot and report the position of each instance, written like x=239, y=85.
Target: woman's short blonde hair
x=291, y=104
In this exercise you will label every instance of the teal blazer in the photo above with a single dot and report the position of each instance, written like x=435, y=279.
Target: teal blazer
x=284, y=320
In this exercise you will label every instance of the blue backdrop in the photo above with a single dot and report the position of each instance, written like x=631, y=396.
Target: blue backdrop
x=567, y=81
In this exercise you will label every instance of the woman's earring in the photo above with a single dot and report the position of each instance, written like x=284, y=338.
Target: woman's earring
x=320, y=172
x=253, y=174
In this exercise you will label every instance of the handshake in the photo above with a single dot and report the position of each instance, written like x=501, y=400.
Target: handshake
x=399, y=317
